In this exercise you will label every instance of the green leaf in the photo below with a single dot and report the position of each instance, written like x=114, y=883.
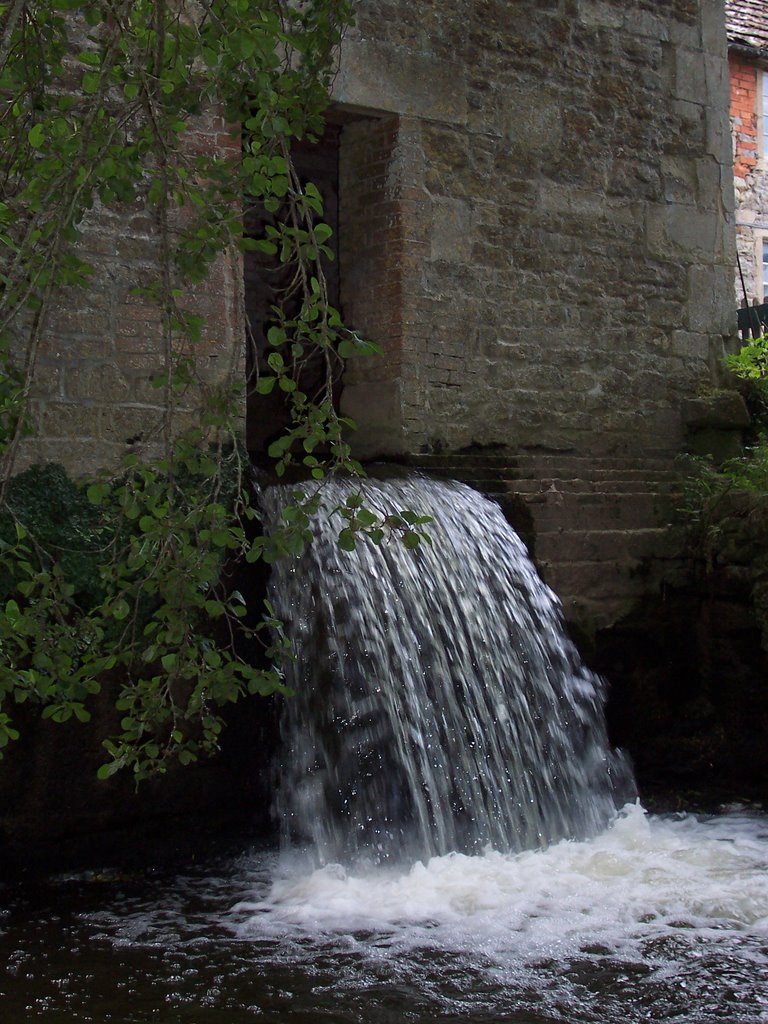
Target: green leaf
x=96, y=493
x=212, y=658
x=90, y=82
x=80, y=713
x=347, y=540
x=12, y=612
x=36, y=136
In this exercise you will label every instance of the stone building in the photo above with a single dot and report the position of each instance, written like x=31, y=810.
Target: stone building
x=535, y=221
x=747, y=23
x=534, y=206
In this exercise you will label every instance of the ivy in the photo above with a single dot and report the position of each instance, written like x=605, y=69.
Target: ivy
x=120, y=585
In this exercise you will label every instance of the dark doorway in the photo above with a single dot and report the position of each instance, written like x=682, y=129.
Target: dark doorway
x=268, y=416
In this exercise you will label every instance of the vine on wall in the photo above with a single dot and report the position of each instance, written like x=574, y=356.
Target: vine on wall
x=96, y=100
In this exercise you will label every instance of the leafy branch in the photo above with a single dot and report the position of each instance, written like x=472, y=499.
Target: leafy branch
x=125, y=590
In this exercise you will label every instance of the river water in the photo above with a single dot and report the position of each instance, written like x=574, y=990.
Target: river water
x=459, y=842
x=655, y=919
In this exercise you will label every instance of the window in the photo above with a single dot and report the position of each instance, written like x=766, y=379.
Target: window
x=759, y=291
x=762, y=117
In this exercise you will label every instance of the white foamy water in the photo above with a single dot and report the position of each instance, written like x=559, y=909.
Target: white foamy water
x=643, y=879
x=657, y=919
x=446, y=762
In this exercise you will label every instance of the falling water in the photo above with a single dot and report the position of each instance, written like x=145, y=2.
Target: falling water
x=439, y=710
x=438, y=704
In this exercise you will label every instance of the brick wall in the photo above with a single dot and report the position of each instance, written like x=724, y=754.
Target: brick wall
x=743, y=76
x=750, y=172
x=93, y=400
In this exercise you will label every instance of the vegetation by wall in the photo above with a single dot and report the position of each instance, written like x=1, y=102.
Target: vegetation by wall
x=101, y=102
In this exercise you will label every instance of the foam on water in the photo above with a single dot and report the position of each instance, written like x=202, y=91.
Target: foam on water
x=653, y=920
x=446, y=763
x=642, y=879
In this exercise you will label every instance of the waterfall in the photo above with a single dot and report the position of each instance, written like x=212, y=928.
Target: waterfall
x=438, y=705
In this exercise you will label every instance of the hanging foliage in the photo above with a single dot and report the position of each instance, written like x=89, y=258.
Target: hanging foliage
x=97, y=98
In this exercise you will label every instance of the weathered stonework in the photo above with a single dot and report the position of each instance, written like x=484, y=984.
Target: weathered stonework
x=535, y=222
x=558, y=222
x=542, y=242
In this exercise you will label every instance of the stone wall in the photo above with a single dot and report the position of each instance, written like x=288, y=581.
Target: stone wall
x=536, y=224
x=692, y=706
x=556, y=221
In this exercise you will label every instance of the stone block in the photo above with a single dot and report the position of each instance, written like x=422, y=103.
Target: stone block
x=645, y=24
x=711, y=300
x=590, y=511
x=716, y=444
x=81, y=460
x=680, y=231
x=599, y=14
x=690, y=76
x=374, y=76
x=447, y=161
x=622, y=546
x=101, y=382
x=689, y=345
x=70, y=419
x=48, y=380
x=532, y=118
x=713, y=36
x=130, y=425
x=723, y=410
x=710, y=186
x=79, y=319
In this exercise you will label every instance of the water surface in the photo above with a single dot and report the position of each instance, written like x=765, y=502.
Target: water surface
x=656, y=919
